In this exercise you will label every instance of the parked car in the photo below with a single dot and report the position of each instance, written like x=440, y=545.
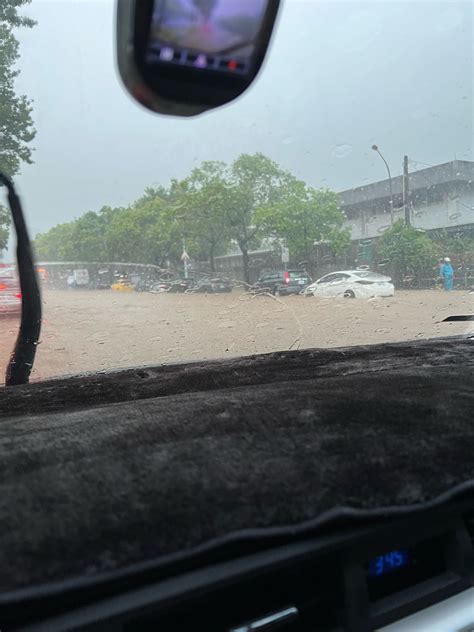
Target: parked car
x=122, y=285
x=284, y=282
x=78, y=279
x=214, y=285
x=81, y=278
x=10, y=295
x=351, y=284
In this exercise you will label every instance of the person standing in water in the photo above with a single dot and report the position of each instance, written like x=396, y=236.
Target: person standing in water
x=447, y=272
x=438, y=276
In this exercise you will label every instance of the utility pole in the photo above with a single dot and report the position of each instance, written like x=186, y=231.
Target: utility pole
x=406, y=192
x=375, y=148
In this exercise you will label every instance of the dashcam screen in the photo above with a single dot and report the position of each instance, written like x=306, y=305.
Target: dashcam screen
x=213, y=34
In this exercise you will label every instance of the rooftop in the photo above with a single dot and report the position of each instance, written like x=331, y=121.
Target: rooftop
x=454, y=171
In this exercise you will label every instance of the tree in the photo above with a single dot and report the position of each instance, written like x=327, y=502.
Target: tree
x=207, y=200
x=16, y=124
x=216, y=204
x=456, y=244
x=84, y=239
x=143, y=233
x=56, y=244
x=5, y=220
x=407, y=250
x=255, y=183
x=305, y=217
x=89, y=236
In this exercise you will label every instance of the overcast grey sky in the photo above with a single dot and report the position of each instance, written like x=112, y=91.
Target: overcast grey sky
x=340, y=76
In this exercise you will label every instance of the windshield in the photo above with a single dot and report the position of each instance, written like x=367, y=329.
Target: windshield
x=351, y=152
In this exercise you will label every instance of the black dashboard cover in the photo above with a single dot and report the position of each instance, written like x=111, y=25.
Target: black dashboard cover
x=102, y=472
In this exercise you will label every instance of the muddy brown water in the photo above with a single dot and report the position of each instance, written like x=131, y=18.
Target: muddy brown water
x=101, y=330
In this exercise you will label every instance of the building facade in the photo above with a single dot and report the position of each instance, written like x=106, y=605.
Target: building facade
x=440, y=197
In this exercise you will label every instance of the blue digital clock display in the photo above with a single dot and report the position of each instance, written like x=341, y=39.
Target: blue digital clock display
x=388, y=562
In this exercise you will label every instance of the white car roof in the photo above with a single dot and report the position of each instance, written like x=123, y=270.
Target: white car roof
x=346, y=272
x=360, y=273
x=353, y=272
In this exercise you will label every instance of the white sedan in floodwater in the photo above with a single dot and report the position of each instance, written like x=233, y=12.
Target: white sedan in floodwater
x=351, y=284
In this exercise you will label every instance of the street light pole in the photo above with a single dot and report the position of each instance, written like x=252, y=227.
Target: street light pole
x=406, y=191
x=375, y=148
x=185, y=259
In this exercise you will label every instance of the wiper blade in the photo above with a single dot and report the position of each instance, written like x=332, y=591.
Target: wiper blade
x=458, y=318
x=22, y=358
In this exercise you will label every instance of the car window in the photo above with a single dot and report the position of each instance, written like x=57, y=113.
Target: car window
x=150, y=206
x=328, y=278
x=371, y=275
x=297, y=274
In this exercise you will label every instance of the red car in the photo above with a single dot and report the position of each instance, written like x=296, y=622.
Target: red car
x=10, y=295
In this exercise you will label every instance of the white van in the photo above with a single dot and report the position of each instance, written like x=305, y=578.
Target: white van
x=81, y=278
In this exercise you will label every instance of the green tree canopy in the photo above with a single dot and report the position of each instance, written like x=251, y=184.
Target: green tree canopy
x=5, y=221
x=305, y=217
x=457, y=245
x=255, y=182
x=207, y=200
x=407, y=250
x=16, y=124
x=214, y=205
x=134, y=235
x=84, y=239
x=56, y=244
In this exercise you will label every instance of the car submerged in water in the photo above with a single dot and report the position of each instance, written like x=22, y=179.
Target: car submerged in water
x=351, y=284
x=283, y=282
x=213, y=285
x=10, y=295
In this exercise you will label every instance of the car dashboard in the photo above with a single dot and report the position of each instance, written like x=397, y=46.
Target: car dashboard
x=358, y=578
x=315, y=490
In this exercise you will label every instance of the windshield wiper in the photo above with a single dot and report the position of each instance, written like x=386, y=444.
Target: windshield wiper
x=458, y=318
x=23, y=355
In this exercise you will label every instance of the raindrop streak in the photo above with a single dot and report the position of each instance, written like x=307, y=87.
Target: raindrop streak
x=342, y=151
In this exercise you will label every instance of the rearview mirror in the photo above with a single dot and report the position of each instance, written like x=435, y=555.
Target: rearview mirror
x=183, y=57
